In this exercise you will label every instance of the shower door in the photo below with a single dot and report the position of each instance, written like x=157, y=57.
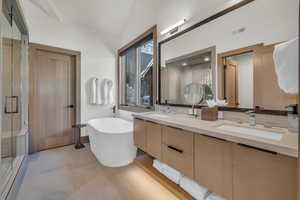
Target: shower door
x=14, y=100
x=7, y=143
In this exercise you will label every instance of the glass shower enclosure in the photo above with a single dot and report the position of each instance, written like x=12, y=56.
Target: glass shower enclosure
x=13, y=93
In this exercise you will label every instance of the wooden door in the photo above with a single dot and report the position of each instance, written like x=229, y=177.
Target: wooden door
x=140, y=134
x=262, y=175
x=52, y=100
x=213, y=164
x=231, y=92
x=154, y=139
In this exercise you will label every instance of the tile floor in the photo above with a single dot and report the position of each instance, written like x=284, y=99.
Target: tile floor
x=68, y=174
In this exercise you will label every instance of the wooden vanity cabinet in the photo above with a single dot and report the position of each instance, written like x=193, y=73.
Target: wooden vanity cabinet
x=234, y=171
x=178, y=150
x=139, y=134
x=213, y=165
x=262, y=175
x=154, y=139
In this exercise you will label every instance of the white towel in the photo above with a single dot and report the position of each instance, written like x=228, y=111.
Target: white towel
x=110, y=99
x=106, y=92
x=174, y=176
x=168, y=171
x=158, y=165
x=94, y=91
x=214, y=197
x=98, y=96
x=104, y=89
x=171, y=173
x=286, y=65
x=194, y=189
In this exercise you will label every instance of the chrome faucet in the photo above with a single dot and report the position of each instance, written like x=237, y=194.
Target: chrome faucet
x=252, y=117
x=193, y=112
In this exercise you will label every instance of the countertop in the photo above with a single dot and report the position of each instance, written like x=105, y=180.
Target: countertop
x=288, y=145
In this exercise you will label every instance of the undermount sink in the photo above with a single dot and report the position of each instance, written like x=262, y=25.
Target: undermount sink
x=158, y=115
x=251, y=131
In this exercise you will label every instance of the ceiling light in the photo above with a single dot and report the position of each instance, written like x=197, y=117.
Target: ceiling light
x=184, y=64
x=170, y=28
x=206, y=59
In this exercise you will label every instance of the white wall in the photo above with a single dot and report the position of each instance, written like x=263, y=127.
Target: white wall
x=97, y=58
x=143, y=17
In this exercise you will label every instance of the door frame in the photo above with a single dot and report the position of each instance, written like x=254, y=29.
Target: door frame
x=224, y=55
x=33, y=48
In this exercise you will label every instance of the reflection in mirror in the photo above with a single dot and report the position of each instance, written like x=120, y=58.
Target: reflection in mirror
x=238, y=80
x=243, y=44
x=188, y=79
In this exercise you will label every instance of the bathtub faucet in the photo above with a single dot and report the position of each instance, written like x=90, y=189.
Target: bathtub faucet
x=114, y=110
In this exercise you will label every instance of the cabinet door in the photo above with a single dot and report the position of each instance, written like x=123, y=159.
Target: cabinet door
x=140, y=134
x=262, y=175
x=213, y=165
x=154, y=139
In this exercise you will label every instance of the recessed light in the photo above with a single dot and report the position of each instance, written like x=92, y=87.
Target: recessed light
x=184, y=64
x=206, y=59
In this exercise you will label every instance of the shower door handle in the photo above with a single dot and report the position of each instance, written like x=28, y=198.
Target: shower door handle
x=16, y=110
x=70, y=106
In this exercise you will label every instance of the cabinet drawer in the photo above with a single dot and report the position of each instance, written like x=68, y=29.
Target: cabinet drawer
x=178, y=138
x=179, y=159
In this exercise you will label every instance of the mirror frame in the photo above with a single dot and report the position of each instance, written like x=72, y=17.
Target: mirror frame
x=203, y=22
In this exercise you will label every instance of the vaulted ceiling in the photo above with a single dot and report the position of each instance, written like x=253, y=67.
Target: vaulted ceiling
x=108, y=16
x=111, y=17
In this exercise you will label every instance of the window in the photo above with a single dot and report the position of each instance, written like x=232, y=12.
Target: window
x=136, y=73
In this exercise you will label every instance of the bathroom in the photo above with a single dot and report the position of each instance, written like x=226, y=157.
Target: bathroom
x=148, y=99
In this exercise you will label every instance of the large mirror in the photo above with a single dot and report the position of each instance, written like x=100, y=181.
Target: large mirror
x=231, y=57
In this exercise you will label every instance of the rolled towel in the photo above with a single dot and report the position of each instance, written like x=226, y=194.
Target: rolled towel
x=214, y=197
x=168, y=171
x=285, y=57
x=173, y=175
x=157, y=164
x=194, y=189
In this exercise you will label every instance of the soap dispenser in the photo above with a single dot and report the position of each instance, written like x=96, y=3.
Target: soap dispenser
x=293, y=119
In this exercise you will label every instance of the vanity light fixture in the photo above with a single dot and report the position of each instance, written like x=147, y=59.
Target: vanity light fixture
x=173, y=28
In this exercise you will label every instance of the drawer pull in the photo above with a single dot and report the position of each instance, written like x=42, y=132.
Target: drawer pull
x=175, y=149
x=258, y=149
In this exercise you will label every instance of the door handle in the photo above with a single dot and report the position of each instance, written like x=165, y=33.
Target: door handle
x=70, y=106
x=17, y=105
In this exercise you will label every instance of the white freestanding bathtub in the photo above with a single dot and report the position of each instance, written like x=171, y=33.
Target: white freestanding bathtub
x=111, y=141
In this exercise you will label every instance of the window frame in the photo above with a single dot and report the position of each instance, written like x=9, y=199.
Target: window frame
x=136, y=108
